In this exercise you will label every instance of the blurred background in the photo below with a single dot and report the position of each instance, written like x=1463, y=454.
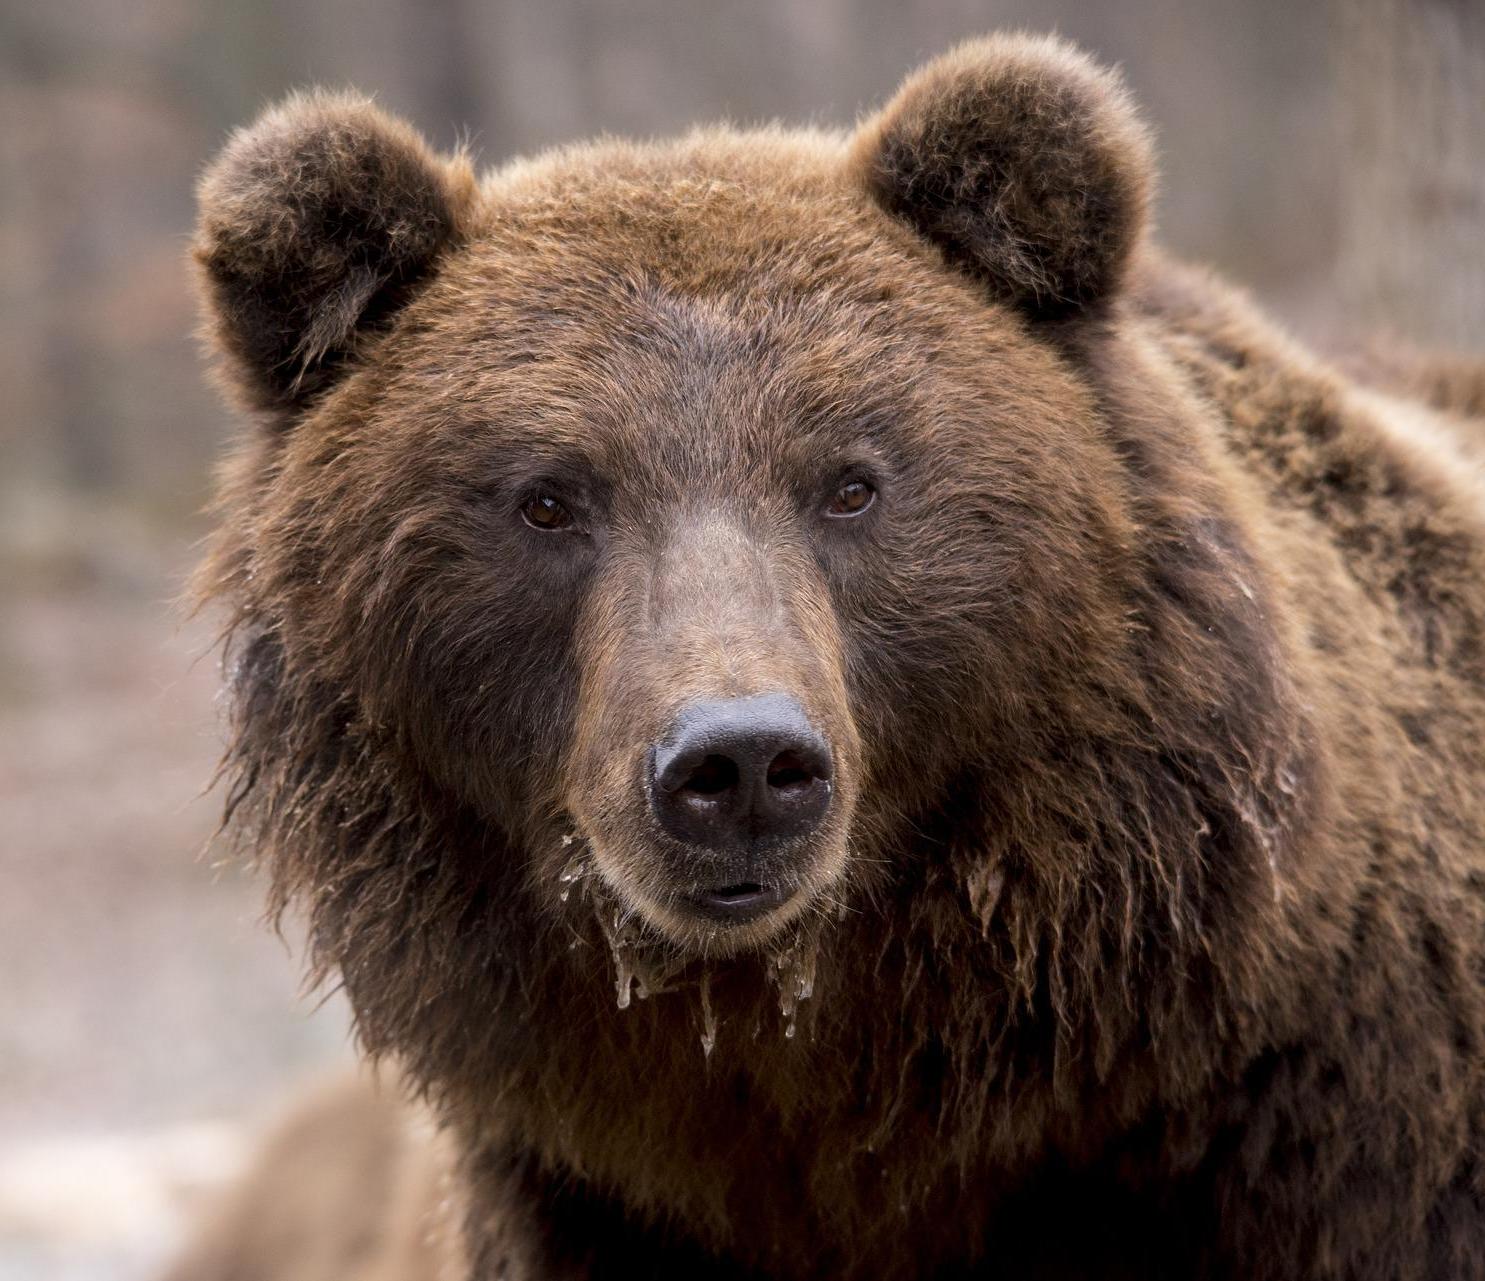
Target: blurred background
x=1329, y=155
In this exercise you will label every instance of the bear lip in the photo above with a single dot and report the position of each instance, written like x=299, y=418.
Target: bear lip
x=738, y=903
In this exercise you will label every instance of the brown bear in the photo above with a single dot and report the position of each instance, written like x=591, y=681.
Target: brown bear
x=840, y=715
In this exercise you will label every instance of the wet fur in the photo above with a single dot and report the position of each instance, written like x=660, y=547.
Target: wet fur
x=1158, y=943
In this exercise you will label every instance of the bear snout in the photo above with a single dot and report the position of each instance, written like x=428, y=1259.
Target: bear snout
x=735, y=779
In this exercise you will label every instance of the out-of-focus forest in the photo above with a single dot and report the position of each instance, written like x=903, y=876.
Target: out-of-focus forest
x=1329, y=155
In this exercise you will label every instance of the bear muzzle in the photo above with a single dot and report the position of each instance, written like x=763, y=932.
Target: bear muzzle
x=736, y=780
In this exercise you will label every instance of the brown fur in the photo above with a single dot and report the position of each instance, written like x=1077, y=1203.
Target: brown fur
x=1147, y=935
x=312, y=225
x=1023, y=161
x=352, y=1185
x=1450, y=383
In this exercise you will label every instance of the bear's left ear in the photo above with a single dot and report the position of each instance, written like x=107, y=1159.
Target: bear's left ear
x=1023, y=161
x=316, y=223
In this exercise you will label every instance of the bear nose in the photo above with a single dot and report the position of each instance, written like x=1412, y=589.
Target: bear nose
x=741, y=774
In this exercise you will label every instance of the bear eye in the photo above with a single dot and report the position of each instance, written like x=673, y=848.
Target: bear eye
x=851, y=499
x=545, y=513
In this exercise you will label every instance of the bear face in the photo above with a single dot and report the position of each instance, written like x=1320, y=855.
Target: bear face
x=716, y=565
x=610, y=503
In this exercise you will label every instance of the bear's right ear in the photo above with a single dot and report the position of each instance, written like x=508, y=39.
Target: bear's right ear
x=1023, y=161
x=314, y=225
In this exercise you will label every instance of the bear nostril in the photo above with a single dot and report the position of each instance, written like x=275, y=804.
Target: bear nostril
x=791, y=770
x=714, y=775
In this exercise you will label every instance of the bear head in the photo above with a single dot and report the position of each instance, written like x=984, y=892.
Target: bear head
x=705, y=538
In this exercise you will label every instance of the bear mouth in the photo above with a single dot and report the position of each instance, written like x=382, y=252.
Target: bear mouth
x=737, y=903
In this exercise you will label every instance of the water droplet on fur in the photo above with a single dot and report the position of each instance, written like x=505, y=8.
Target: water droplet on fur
x=623, y=978
x=794, y=973
x=708, y=1017
x=640, y=969
x=653, y=970
x=620, y=937
x=804, y=986
x=572, y=871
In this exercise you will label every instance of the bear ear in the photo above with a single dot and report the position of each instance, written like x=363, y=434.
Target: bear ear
x=314, y=225
x=1023, y=161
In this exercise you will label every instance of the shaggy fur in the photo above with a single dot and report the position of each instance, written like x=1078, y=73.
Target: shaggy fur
x=314, y=224
x=1024, y=162
x=1147, y=934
